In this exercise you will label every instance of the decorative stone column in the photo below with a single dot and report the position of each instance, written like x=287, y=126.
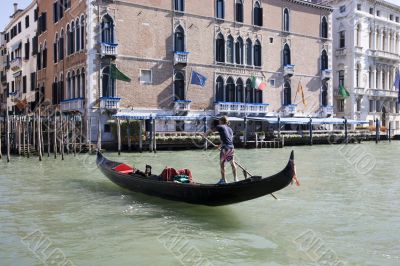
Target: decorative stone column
x=373, y=85
x=388, y=81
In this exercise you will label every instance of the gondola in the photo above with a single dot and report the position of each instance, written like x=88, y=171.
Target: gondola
x=195, y=193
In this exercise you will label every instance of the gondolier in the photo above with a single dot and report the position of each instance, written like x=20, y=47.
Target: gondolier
x=227, y=153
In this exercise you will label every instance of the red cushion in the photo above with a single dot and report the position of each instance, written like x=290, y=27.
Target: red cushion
x=124, y=168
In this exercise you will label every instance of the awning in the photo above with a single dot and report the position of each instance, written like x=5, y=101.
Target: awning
x=117, y=74
x=133, y=115
x=181, y=118
x=306, y=121
x=16, y=46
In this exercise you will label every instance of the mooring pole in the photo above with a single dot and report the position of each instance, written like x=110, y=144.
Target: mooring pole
x=128, y=133
x=1, y=154
x=154, y=136
x=89, y=134
x=8, y=135
x=119, y=135
x=28, y=133
x=205, y=131
x=38, y=135
x=390, y=132
x=245, y=131
x=151, y=135
x=140, y=135
x=62, y=136
x=99, y=134
x=311, y=132
x=55, y=135
x=377, y=131
x=346, y=137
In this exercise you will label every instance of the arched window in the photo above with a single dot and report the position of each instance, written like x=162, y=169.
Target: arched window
x=55, y=49
x=68, y=40
x=83, y=36
x=83, y=89
x=358, y=35
x=384, y=41
x=324, y=28
x=324, y=95
x=179, y=5
x=107, y=30
x=69, y=86
x=324, y=60
x=239, y=51
x=257, y=53
x=358, y=73
x=61, y=87
x=239, y=90
x=229, y=49
x=73, y=37
x=220, y=48
x=78, y=36
x=230, y=90
x=287, y=94
x=371, y=39
x=258, y=96
x=220, y=9
x=73, y=85
x=179, y=86
x=55, y=91
x=257, y=14
x=108, y=83
x=286, y=20
x=219, y=89
x=249, y=52
x=249, y=91
x=370, y=78
x=44, y=55
x=286, y=55
x=239, y=10
x=78, y=84
x=179, y=39
x=61, y=46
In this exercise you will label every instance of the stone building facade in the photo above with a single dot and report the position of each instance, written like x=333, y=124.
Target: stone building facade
x=158, y=44
x=366, y=39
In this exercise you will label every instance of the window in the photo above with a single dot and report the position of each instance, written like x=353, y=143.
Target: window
x=258, y=14
x=342, y=9
x=72, y=39
x=107, y=30
x=146, y=76
x=371, y=10
x=239, y=11
x=78, y=36
x=27, y=22
x=27, y=50
x=24, y=84
x=219, y=89
x=371, y=106
x=358, y=105
x=179, y=39
x=257, y=53
x=324, y=95
x=83, y=37
x=324, y=60
x=286, y=55
x=61, y=46
x=324, y=28
x=55, y=49
x=239, y=51
x=61, y=9
x=391, y=17
x=249, y=91
x=342, y=39
x=220, y=9
x=179, y=86
x=107, y=128
x=249, y=52
x=239, y=90
x=287, y=94
x=179, y=5
x=55, y=12
x=229, y=49
x=397, y=19
x=359, y=7
x=378, y=13
x=19, y=27
x=286, y=20
x=358, y=73
x=108, y=83
x=340, y=105
x=33, y=81
x=220, y=48
x=230, y=90
x=341, y=78
x=44, y=63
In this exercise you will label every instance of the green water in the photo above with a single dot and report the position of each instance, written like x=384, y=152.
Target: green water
x=346, y=212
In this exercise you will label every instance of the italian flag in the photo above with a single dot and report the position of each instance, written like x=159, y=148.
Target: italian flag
x=258, y=83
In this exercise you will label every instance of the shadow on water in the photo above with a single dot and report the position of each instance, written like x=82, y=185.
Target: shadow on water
x=213, y=217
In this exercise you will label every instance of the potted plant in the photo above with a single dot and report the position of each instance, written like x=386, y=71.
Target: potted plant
x=261, y=135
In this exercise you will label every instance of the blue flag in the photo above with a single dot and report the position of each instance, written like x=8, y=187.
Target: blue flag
x=397, y=83
x=198, y=79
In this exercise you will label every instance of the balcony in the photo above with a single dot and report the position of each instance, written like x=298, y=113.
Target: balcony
x=241, y=108
x=327, y=111
x=290, y=110
x=182, y=106
x=181, y=58
x=383, y=93
x=358, y=50
x=16, y=64
x=359, y=91
x=341, y=52
x=326, y=74
x=386, y=55
x=73, y=105
x=109, y=103
x=288, y=70
x=109, y=49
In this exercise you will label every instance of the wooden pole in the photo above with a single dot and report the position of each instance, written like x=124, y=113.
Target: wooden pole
x=390, y=132
x=346, y=134
x=99, y=134
x=205, y=131
x=73, y=129
x=67, y=133
x=140, y=135
x=62, y=136
x=19, y=135
x=89, y=135
x=28, y=133
x=80, y=133
x=151, y=135
x=48, y=135
x=24, y=137
x=128, y=133
x=34, y=131
x=311, y=132
x=55, y=136
x=119, y=135
x=8, y=135
x=1, y=154
x=154, y=136
x=377, y=131
x=39, y=136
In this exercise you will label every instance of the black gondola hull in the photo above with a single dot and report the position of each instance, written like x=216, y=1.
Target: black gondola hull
x=203, y=194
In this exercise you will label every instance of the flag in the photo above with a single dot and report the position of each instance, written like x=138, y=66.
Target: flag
x=301, y=90
x=258, y=83
x=397, y=83
x=117, y=74
x=343, y=92
x=198, y=79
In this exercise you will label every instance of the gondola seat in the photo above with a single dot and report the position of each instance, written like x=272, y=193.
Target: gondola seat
x=124, y=169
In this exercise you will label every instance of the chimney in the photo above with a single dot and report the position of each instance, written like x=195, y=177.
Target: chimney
x=15, y=7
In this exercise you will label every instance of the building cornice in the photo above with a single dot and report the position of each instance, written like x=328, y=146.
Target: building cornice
x=309, y=4
x=20, y=13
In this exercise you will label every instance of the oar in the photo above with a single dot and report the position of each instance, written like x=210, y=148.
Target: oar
x=238, y=164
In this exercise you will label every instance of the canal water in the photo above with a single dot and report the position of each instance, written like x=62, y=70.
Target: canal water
x=346, y=212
